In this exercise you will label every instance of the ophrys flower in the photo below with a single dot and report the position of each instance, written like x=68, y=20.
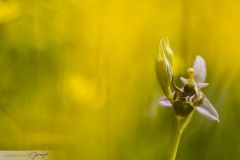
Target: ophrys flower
x=187, y=99
x=190, y=97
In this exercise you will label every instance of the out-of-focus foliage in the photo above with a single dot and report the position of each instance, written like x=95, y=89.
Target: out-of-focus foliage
x=77, y=77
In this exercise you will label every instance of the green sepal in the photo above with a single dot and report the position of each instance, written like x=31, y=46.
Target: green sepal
x=163, y=67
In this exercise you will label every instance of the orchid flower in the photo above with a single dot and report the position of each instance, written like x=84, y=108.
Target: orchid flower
x=189, y=97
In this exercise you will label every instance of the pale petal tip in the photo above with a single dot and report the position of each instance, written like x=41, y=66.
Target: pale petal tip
x=198, y=56
x=202, y=85
x=164, y=102
x=216, y=119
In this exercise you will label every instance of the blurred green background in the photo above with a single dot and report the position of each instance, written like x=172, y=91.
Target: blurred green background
x=77, y=77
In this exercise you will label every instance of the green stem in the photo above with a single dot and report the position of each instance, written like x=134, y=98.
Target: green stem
x=182, y=124
x=176, y=144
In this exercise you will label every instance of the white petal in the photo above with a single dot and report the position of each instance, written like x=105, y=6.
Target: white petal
x=184, y=80
x=207, y=110
x=199, y=67
x=202, y=85
x=165, y=102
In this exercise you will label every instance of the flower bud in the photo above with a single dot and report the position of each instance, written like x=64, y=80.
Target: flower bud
x=166, y=49
x=164, y=69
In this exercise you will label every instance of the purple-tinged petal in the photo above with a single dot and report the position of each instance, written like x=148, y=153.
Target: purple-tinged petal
x=165, y=102
x=207, y=110
x=200, y=70
x=184, y=80
x=202, y=85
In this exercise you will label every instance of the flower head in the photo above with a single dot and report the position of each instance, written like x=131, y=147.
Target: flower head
x=190, y=97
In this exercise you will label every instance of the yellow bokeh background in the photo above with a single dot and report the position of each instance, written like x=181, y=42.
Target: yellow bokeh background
x=77, y=77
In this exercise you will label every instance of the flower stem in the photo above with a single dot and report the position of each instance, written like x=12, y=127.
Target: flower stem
x=176, y=144
x=182, y=124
